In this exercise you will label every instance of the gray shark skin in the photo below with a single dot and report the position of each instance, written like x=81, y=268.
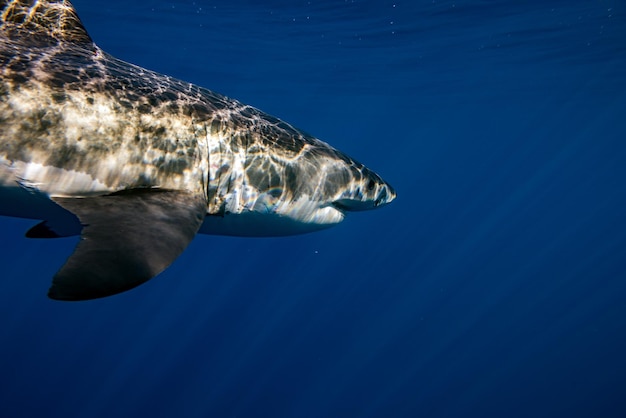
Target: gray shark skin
x=137, y=162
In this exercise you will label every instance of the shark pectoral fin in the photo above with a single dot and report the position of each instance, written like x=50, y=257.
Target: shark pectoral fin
x=127, y=238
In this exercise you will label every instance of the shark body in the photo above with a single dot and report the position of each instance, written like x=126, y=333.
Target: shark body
x=138, y=162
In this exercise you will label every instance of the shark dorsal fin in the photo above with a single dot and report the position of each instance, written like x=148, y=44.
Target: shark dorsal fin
x=52, y=19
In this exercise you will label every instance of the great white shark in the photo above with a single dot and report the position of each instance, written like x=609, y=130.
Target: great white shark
x=138, y=162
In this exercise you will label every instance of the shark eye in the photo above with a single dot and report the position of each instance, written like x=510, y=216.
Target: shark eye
x=370, y=185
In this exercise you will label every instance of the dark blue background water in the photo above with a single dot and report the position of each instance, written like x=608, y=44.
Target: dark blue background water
x=494, y=286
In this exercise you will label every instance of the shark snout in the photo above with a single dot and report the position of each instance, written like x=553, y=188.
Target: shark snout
x=386, y=194
x=368, y=193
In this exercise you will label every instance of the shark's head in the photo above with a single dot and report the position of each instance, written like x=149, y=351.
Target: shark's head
x=330, y=184
x=363, y=190
x=286, y=196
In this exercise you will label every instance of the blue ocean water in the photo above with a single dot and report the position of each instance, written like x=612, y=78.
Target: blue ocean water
x=494, y=286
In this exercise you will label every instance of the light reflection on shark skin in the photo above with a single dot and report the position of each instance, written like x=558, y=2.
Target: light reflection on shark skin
x=85, y=138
